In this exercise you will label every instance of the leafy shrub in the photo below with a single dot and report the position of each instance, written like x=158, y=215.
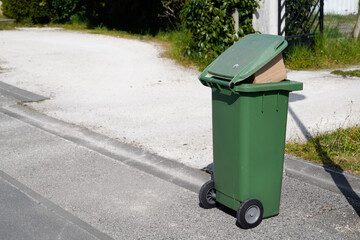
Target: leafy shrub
x=17, y=9
x=211, y=25
x=40, y=11
x=37, y=10
x=63, y=10
x=43, y=11
x=140, y=16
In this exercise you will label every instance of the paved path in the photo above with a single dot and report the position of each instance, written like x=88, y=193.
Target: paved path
x=61, y=181
x=79, y=183
x=123, y=89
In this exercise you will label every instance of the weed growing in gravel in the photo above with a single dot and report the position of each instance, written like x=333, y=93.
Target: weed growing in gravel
x=353, y=73
x=334, y=20
x=176, y=44
x=339, y=149
x=12, y=26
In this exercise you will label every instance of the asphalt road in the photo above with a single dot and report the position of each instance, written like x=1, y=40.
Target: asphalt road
x=55, y=186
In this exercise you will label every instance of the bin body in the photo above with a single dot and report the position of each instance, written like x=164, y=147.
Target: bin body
x=249, y=128
x=249, y=131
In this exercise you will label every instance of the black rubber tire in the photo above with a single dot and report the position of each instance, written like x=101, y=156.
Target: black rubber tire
x=207, y=195
x=250, y=213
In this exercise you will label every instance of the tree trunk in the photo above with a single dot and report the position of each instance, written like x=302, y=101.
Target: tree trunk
x=357, y=26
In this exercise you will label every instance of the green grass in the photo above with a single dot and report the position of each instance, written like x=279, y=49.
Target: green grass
x=12, y=26
x=79, y=26
x=339, y=149
x=333, y=19
x=176, y=45
x=334, y=48
x=352, y=73
x=331, y=51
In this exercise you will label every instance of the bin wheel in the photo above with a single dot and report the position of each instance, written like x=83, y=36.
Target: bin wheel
x=207, y=195
x=249, y=214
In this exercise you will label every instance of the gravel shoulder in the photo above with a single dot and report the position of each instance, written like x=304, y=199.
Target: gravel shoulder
x=123, y=89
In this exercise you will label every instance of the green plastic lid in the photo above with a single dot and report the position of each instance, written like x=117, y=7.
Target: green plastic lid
x=245, y=57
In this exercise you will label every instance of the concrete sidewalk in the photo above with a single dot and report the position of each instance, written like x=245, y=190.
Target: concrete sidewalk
x=87, y=185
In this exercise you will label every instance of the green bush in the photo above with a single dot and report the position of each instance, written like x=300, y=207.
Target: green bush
x=37, y=11
x=43, y=11
x=40, y=11
x=16, y=9
x=138, y=16
x=63, y=10
x=211, y=25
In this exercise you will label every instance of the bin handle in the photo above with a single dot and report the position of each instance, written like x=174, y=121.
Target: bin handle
x=211, y=80
x=279, y=45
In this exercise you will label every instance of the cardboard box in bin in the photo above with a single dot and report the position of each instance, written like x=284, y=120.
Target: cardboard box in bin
x=273, y=71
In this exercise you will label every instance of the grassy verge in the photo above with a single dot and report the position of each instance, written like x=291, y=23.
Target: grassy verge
x=79, y=26
x=353, y=73
x=330, y=51
x=13, y=25
x=339, y=149
x=336, y=20
x=176, y=47
x=334, y=48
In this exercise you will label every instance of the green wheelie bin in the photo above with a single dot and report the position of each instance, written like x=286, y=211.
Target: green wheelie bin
x=249, y=128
